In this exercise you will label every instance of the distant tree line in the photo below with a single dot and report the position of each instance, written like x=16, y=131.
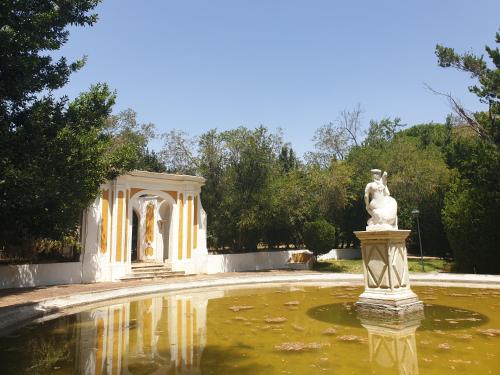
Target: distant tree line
x=55, y=153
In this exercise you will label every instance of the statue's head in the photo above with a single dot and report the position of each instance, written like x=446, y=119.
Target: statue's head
x=377, y=174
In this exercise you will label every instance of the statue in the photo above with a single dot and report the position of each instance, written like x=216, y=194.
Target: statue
x=382, y=207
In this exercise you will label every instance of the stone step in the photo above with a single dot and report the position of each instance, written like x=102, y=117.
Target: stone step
x=151, y=275
x=163, y=272
x=148, y=265
x=147, y=270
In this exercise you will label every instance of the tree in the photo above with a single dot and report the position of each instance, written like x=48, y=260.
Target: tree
x=382, y=131
x=30, y=29
x=486, y=125
x=473, y=201
x=288, y=159
x=335, y=139
x=319, y=236
x=251, y=163
x=129, y=147
x=54, y=154
x=178, y=152
x=212, y=165
x=418, y=178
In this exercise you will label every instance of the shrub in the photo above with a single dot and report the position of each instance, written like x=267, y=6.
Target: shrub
x=319, y=236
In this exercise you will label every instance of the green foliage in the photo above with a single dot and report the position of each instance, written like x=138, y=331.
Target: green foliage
x=30, y=29
x=472, y=205
x=54, y=154
x=382, y=131
x=290, y=205
x=418, y=178
x=487, y=88
x=128, y=148
x=319, y=236
x=287, y=159
x=52, y=166
x=257, y=191
x=473, y=200
x=150, y=161
x=251, y=161
x=177, y=152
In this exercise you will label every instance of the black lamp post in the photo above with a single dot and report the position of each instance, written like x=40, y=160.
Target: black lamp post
x=416, y=213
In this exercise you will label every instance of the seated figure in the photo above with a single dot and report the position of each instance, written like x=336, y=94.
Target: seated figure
x=382, y=207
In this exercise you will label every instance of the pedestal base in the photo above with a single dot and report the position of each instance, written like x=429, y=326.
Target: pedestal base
x=377, y=308
x=385, y=265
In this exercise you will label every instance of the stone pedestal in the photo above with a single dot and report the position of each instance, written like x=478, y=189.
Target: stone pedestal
x=385, y=268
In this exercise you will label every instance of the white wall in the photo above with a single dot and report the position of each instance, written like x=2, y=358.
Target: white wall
x=337, y=254
x=258, y=261
x=30, y=275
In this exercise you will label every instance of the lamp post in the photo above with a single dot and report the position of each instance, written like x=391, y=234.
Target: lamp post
x=416, y=213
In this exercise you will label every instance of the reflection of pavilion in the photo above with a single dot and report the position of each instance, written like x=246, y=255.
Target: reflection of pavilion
x=393, y=345
x=166, y=335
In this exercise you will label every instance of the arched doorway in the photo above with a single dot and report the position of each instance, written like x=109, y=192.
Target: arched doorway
x=151, y=212
x=135, y=236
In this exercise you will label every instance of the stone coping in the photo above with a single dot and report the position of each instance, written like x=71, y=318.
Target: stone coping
x=24, y=306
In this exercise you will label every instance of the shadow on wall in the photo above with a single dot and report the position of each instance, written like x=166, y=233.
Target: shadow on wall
x=257, y=261
x=31, y=275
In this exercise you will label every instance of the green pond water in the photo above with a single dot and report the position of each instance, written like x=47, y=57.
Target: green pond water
x=284, y=329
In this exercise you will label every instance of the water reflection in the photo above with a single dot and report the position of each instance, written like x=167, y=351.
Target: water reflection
x=159, y=335
x=392, y=344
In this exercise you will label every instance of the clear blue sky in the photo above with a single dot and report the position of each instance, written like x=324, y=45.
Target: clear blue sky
x=197, y=65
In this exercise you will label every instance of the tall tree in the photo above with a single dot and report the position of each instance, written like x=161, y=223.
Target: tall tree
x=54, y=154
x=333, y=141
x=487, y=87
x=179, y=152
x=473, y=200
x=129, y=148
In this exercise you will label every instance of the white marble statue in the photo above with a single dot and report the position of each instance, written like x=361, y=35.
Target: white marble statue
x=381, y=207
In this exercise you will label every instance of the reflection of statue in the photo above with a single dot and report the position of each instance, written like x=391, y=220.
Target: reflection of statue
x=382, y=207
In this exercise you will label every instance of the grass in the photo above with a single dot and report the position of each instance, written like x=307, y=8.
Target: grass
x=356, y=266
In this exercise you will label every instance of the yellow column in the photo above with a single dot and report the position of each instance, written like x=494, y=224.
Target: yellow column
x=195, y=223
x=150, y=228
x=189, y=332
x=119, y=228
x=115, y=359
x=125, y=246
x=104, y=221
x=181, y=221
x=189, y=226
x=99, y=346
x=179, y=333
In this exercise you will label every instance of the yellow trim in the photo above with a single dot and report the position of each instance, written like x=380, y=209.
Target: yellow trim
x=147, y=333
x=123, y=330
x=150, y=228
x=195, y=337
x=195, y=223
x=189, y=226
x=99, y=346
x=119, y=228
x=150, y=225
x=116, y=341
x=181, y=219
x=104, y=221
x=133, y=332
x=172, y=193
x=134, y=191
x=179, y=333
x=189, y=332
